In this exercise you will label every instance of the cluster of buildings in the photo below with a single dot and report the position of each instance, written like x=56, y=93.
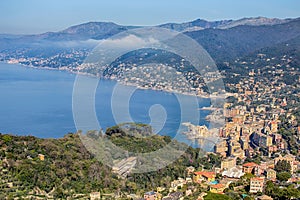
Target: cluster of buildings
x=64, y=59
x=251, y=142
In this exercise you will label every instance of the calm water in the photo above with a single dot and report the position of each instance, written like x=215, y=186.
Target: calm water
x=39, y=102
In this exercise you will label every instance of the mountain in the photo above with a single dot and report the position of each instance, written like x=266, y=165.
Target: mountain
x=228, y=44
x=198, y=24
x=257, y=21
x=224, y=40
x=201, y=24
x=90, y=30
x=102, y=30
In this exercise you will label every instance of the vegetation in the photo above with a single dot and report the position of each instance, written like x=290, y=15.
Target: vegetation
x=283, y=166
x=68, y=168
x=212, y=196
x=279, y=193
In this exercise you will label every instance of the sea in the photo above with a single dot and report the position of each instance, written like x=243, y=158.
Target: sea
x=39, y=102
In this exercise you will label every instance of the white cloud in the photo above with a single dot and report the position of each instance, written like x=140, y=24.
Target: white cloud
x=130, y=41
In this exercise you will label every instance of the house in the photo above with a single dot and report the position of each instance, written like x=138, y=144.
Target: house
x=217, y=188
x=204, y=176
x=228, y=163
x=257, y=184
x=190, y=170
x=271, y=174
x=201, y=196
x=41, y=157
x=95, y=196
x=249, y=167
x=221, y=148
x=177, y=183
x=150, y=195
x=160, y=189
x=177, y=195
x=261, y=168
x=133, y=196
x=234, y=172
x=264, y=197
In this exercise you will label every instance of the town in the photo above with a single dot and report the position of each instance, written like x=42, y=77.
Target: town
x=257, y=156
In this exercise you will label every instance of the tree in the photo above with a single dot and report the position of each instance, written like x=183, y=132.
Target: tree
x=283, y=166
x=212, y=196
x=7, y=139
x=284, y=176
x=270, y=188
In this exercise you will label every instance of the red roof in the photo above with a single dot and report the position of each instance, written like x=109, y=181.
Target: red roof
x=218, y=186
x=258, y=179
x=250, y=164
x=206, y=174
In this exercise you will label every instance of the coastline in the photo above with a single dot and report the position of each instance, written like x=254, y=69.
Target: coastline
x=207, y=96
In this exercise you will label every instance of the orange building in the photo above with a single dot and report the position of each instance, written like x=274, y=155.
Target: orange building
x=204, y=176
x=218, y=188
x=249, y=167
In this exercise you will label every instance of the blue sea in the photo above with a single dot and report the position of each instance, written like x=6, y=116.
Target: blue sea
x=38, y=102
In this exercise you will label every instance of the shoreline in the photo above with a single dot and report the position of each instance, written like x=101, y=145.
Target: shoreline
x=207, y=96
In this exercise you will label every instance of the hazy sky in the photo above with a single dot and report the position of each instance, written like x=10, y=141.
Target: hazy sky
x=35, y=16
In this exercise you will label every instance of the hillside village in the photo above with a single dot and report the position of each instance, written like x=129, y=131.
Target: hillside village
x=258, y=156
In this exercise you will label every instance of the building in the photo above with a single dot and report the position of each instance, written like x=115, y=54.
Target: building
x=262, y=140
x=244, y=141
x=150, y=195
x=217, y=188
x=204, y=176
x=177, y=184
x=257, y=184
x=95, y=196
x=261, y=168
x=190, y=170
x=234, y=172
x=235, y=150
x=41, y=157
x=221, y=148
x=273, y=126
x=249, y=167
x=228, y=163
x=177, y=195
x=264, y=197
x=271, y=174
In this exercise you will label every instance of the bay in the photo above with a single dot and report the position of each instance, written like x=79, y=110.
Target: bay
x=38, y=102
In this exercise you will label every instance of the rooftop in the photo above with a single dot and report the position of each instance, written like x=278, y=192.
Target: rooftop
x=250, y=164
x=206, y=174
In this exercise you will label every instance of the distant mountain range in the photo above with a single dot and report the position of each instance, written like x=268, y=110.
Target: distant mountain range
x=224, y=40
x=102, y=30
x=201, y=24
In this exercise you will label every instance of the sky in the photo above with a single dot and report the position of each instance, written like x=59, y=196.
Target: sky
x=37, y=16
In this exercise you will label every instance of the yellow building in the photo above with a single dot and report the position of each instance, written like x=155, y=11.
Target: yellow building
x=41, y=157
x=204, y=176
x=271, y=174
x=218, y=188
x=228, y=163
